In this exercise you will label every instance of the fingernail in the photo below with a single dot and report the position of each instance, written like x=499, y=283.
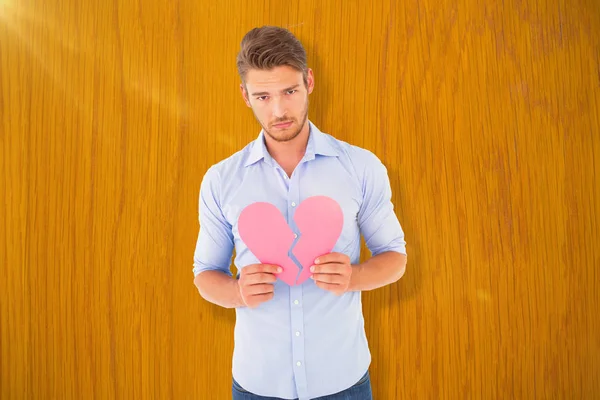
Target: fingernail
x=279, y=269
x=317, y=261
x=312, y=269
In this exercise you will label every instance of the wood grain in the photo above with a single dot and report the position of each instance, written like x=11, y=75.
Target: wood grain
x=486, y=115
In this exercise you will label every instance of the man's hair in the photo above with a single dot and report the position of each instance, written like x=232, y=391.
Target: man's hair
x=268, y=47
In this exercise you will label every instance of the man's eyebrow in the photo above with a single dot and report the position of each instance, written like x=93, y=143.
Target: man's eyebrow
x=284, y=90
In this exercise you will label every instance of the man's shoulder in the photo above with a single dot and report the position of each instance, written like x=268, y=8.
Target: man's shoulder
x=230, y=164
x=359, y=156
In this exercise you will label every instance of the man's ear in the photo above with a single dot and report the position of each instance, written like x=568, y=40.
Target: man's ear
x=310, y=80
x=245, y=95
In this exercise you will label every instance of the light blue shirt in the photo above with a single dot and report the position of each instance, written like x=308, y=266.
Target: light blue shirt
x=306, y=342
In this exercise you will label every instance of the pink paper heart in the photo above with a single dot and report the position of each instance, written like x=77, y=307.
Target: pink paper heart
x=266, y=233
x=269, y=238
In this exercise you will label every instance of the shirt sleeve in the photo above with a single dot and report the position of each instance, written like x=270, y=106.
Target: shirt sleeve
x=377, y=220
x=214, y=246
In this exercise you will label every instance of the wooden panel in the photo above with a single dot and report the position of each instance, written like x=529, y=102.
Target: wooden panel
x=487, y=117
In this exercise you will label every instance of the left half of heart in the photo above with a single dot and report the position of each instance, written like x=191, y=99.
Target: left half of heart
x=268, y=236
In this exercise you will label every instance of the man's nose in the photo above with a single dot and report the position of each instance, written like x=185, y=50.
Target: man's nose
x=279, y=109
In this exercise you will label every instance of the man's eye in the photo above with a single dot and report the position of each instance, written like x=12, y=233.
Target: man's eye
x=261, y=98
x=291, y=91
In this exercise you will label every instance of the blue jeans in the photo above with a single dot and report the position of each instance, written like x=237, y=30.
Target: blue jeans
x=361, y=390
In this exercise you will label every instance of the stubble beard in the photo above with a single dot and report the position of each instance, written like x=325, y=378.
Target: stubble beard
x=291, y=136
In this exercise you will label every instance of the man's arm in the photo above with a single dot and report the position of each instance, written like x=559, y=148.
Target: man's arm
x=219, y=288
x=214, y=247
x=382, y=232
x=378, y=271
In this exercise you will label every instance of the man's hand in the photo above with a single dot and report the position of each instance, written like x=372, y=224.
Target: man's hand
x=332, y=272
x=256, y=283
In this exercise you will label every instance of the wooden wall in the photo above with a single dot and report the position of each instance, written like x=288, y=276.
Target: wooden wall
x=485, y=113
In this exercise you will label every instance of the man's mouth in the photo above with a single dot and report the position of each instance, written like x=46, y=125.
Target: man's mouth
x=283, y=125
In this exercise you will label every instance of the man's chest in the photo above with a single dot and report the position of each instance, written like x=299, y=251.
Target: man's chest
x=287, y=194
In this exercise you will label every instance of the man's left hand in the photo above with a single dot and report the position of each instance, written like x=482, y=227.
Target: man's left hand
x=332, y=272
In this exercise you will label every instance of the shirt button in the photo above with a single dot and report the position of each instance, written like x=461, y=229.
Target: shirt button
x=293, y=204
x=295, y=235
x=298, y=363
x=296, y=302
x=297, y=333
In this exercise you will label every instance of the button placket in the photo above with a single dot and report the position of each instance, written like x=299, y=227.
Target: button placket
x=296, y=305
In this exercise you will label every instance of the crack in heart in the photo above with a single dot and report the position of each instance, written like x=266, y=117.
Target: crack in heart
x=267, y=235
x=292, y=256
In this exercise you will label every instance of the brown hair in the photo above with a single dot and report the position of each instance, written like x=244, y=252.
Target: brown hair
x=269, y=47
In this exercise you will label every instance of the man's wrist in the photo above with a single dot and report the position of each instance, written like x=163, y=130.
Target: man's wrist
x=239, y=299
x=355, y=278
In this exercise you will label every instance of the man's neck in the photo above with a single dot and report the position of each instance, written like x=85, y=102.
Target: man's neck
x=288, y=154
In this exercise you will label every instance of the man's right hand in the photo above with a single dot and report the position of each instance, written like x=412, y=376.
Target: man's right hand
x=256, y=283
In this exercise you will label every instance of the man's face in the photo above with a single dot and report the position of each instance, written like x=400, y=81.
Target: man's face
x=279, y=100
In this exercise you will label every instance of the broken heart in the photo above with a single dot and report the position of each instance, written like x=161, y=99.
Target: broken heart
x=266, y=233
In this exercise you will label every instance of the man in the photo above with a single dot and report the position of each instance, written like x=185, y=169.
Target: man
x=301, y=341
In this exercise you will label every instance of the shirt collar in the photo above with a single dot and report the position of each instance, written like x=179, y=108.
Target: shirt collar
x=318, y=144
